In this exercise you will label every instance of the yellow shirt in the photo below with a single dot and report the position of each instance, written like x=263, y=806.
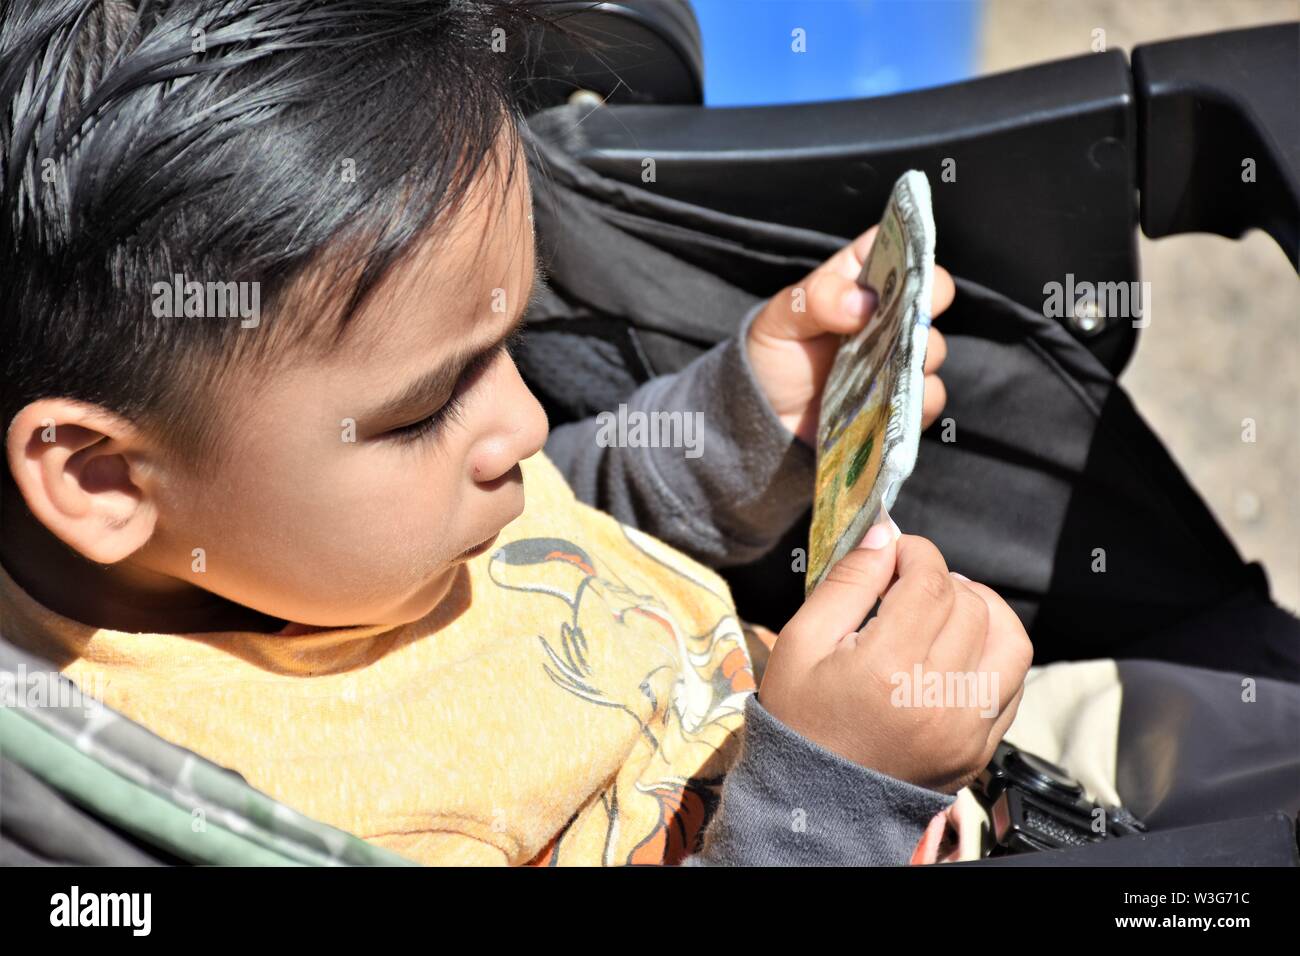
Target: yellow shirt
x=576, y=699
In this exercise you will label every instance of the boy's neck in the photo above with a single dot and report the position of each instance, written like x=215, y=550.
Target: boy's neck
x=119, y=597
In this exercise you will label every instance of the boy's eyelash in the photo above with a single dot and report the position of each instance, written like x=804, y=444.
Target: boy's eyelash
x=425, y=427
x=451, y=410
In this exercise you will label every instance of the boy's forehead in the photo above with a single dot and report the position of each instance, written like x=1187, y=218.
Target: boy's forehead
x=475, y=265
x=446, y=296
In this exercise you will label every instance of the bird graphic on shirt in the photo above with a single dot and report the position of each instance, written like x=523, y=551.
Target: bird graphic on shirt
x=688, y=713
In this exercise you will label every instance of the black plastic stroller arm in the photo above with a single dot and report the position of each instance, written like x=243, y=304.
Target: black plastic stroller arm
x=1047, y=160
x=1207, y=106
x=1043, y=160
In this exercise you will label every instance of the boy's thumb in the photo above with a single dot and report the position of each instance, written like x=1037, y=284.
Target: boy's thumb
x=845, y=596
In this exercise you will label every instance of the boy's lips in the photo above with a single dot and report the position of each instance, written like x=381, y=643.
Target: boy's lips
x=477, y=549
x=483, y=546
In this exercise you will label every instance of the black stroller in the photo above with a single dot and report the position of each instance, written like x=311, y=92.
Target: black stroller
x=1053, y=465
x=1051, y=456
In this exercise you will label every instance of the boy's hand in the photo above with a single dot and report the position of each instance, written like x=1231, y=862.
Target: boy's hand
x=792, y=352
x=838, y=686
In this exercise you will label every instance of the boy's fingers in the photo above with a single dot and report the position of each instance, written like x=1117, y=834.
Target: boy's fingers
x=936, y=350
x=960, y=644
x=815, y=306
x=916, y=605
x=824, y=291
x=858, y=251
x=848, y=263
x=1007, y=650
x=848, y=260
x=844, y=597
x=945, y=290
x=933, y=399
x=844, y=306
x=1002, y=723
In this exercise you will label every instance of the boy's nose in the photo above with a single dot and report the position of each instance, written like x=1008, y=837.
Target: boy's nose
x=521, y=430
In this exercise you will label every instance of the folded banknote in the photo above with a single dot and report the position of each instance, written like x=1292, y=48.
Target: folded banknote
x=870, y=425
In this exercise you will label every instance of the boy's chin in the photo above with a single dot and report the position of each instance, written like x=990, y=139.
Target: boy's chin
x=475, y=550
x=441, y=587
x=417, y=606
x=430, y=596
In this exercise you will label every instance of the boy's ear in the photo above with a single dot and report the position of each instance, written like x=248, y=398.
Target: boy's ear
x=80, y=468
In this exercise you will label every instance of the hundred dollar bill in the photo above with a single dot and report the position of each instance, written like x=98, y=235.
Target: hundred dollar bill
x=870, y=425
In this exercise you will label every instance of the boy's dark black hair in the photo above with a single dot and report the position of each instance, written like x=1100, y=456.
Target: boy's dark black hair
x=235, y=141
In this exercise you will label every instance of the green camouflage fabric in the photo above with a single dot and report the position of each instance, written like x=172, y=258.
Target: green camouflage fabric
x=164, y=794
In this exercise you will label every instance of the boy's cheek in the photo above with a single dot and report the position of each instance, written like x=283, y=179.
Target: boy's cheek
x=331, y=537
x=324, y=542
x=373, y=582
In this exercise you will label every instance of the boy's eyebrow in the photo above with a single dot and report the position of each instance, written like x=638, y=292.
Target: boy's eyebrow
x=439, y=382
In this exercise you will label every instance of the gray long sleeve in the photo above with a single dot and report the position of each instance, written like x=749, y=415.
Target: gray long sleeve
x=751, y=481
x=786, y=801
x=790, y=802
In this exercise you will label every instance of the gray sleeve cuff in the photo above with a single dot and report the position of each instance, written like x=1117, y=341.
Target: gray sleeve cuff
x=751, y=480
x=790, y=802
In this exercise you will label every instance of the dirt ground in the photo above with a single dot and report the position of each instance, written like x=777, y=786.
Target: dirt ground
x=1224, y=339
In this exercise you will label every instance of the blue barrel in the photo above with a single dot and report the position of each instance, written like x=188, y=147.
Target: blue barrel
x=852, y=48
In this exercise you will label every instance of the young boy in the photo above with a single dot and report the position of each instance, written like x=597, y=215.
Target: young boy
x=267, y=457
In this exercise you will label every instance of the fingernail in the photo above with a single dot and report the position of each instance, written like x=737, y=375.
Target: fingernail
x=884, y=512
x=883, y=533
x=880, y=536
x=856, y=301
x=959, y=577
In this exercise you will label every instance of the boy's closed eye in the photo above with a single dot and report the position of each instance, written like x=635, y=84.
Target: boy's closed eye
x=432, y=425
x=434, y=400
